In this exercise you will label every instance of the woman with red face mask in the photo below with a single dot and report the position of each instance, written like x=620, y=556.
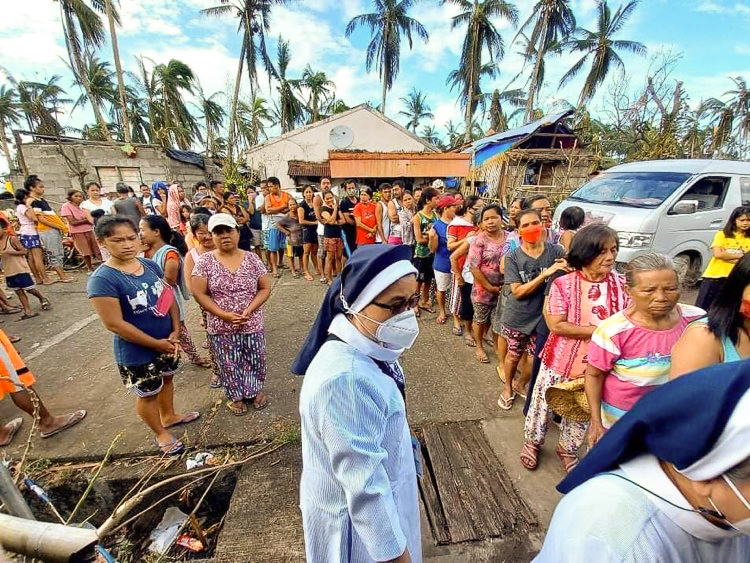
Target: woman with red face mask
x=722, y=336
x=527, y=269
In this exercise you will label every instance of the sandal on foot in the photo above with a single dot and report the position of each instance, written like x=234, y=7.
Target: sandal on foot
x=14, y=339
x=186, y=418
x=174, y=447
x=308, y=277
x=263, y=404
x=569, y=460
x=11, y=311
x=506, y=404
x=25, y=316
x=458, y=331
x=428, y=309
x=202, y=363
x=12, y=427
x=483, y=359
x=529, y=455
x=237, y=410
x=46, y=305
x=470, y=342
x=215, y=383
x=323, y=280
x=73, y=419
x=441, y=320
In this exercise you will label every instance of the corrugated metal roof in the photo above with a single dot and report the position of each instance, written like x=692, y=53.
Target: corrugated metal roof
x=304, y=168
x=518, y=133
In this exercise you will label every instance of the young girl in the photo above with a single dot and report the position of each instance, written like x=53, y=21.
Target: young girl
x=728, y=247
x=334, y=247
x=291, y=227
x=81, y=227
x=570, y=221
x=134, y=303
x=29, y=236
x=17, y=271
x=162, y=245
x=184, y=219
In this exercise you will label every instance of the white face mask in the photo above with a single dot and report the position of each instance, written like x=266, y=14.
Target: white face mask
x=743, y=526
x=397, y=332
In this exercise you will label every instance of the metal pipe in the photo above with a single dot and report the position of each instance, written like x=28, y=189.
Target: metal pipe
x=43, y=540
x=11, y=496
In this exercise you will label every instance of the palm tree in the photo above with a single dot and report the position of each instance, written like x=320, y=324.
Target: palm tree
x=739, y=105
x=254, y=22
x=79, y=17
x=430, y=134
x=601, y=46
x=498, y=119
x=454, y=136
x=389, y=20
x=335, y=106
x=319, y=89
x=459, y=79
x=291, y=111
x=172, y=80
x=553, y=21
x=417, y=109
x=212, y=114
x=481, y=34
x=695, y=131
x=9, y=115
x=253, y=118
x=99, y=77
x=118, y=67
x=41, y=102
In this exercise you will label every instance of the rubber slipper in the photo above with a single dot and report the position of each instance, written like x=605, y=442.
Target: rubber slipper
x=13, y=427
x=458, y=331
x=471, y=343
x=14, y=339
x=236, y=411
x=11, y=311
x=215, y=383
x=428, y=309
x=483, y=360
x=186, y=418
x=46, y=305
x=263, y=405
x=506, y=404
x=73, y=419
x=202, y=363
x=31, y=316
x=174, y=447
x=67, y=280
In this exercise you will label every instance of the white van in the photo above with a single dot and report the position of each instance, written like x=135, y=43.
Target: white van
x=674, y=207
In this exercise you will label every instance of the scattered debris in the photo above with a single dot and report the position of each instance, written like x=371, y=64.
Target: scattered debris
x=42, y=495
x=164, y=535
x=191, y=544
x=199, y=460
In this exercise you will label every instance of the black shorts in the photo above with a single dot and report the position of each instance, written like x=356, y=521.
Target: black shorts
x=425, y=273
x=309, y=234
x=146, y=380
x=297, y=251
x=466, y=311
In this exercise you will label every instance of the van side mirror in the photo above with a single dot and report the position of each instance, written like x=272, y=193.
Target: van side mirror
x=685, y=207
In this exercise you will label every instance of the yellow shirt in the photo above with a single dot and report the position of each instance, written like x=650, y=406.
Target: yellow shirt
x=718, y=268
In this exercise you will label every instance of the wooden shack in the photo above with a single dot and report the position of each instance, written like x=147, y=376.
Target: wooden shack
x=544, y=156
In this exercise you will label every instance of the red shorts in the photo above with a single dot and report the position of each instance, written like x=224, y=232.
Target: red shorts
x=334, y=245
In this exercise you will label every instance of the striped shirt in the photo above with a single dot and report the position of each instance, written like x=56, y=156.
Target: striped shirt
x=635, y=359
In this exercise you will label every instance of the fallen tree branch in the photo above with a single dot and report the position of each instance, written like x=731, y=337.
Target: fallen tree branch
x=93, y=480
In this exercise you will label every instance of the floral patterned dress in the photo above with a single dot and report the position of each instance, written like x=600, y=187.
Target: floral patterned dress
x=240, y=350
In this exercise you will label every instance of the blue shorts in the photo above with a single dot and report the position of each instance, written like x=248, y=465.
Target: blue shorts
x=30, y=241
x=19, y=281
x=276, y=240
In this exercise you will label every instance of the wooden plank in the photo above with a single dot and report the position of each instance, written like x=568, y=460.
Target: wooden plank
x=432, y=505
x=459, y=524
x=478, y=501
x=502, y=478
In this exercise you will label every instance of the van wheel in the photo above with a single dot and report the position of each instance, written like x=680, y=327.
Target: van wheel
x=688, y=269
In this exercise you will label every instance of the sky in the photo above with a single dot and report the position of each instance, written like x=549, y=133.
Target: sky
x=710, y=37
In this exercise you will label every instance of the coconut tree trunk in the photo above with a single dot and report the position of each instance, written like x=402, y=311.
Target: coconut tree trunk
x=6, y=148
x=382, y=98
x=83, y=77
x=534, y=85
x=476, y=63
x=235, y=100
x=118, y=68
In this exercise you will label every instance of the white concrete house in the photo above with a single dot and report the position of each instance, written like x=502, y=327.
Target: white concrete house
x=301, y=156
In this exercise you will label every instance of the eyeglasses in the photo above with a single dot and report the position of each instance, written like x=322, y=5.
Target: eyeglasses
x=399, y=305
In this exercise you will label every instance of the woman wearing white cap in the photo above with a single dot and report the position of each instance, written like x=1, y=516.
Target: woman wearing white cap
x=231, y=285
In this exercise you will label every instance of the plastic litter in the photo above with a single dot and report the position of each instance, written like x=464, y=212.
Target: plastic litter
x=199, y=460
x=190, y=544
x=164, y=535
x=104, y=556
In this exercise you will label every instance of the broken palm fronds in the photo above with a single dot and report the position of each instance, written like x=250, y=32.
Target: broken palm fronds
x=114, y=521
x=90, y=486
x=34, y=423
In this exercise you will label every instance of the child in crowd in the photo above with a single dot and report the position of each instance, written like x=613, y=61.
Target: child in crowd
x=133, y=302
x=80, y=227
x=570, y=221
x=184, y=219
x=17, y=271
x=291, y=227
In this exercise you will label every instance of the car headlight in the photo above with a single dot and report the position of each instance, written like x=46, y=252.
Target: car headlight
x=634, y=240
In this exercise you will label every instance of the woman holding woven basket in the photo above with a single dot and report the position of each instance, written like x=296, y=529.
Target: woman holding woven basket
x=576, y=304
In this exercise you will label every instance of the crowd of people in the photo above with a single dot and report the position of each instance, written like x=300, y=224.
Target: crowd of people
x=582, y=343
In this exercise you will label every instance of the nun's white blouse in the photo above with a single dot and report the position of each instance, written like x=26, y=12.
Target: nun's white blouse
x=358, y=493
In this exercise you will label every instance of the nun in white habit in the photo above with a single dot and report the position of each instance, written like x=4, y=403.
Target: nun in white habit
x=669, y=483
x=359, y=477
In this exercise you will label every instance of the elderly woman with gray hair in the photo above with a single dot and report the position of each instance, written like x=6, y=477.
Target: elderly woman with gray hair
x=630, y=352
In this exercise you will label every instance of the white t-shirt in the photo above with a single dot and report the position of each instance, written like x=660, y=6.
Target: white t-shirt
x=265, y=220
x=106, y=205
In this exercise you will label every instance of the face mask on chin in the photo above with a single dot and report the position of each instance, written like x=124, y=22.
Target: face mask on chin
x=531, y=234
x=741, y=526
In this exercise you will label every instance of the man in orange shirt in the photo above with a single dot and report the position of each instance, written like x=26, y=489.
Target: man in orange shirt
x=277, y=206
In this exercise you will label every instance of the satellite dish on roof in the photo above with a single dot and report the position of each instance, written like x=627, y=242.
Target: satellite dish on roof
x=341, y=137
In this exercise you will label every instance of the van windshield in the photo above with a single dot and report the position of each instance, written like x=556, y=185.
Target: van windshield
x=631, y=189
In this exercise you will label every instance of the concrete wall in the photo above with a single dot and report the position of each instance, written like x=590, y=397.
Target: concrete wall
x=371, y=133
x=45, y=160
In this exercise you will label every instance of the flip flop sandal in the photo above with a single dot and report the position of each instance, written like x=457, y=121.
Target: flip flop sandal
x=73, y=419
x=471, y=343
x=323, y=280
x=263, y=405
x=428, y=309
x=175, y=447
x=236, y=411
x=458, y=331
x=14, y=339
x=46, y=305
x=13, y=427
x=25, y=316
x=186, y=418
x=483, y=360
x=529, y=455
x=506, y=404
x=11, y=311
x=202, y=363
x=215, y=383
x=67, y=280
